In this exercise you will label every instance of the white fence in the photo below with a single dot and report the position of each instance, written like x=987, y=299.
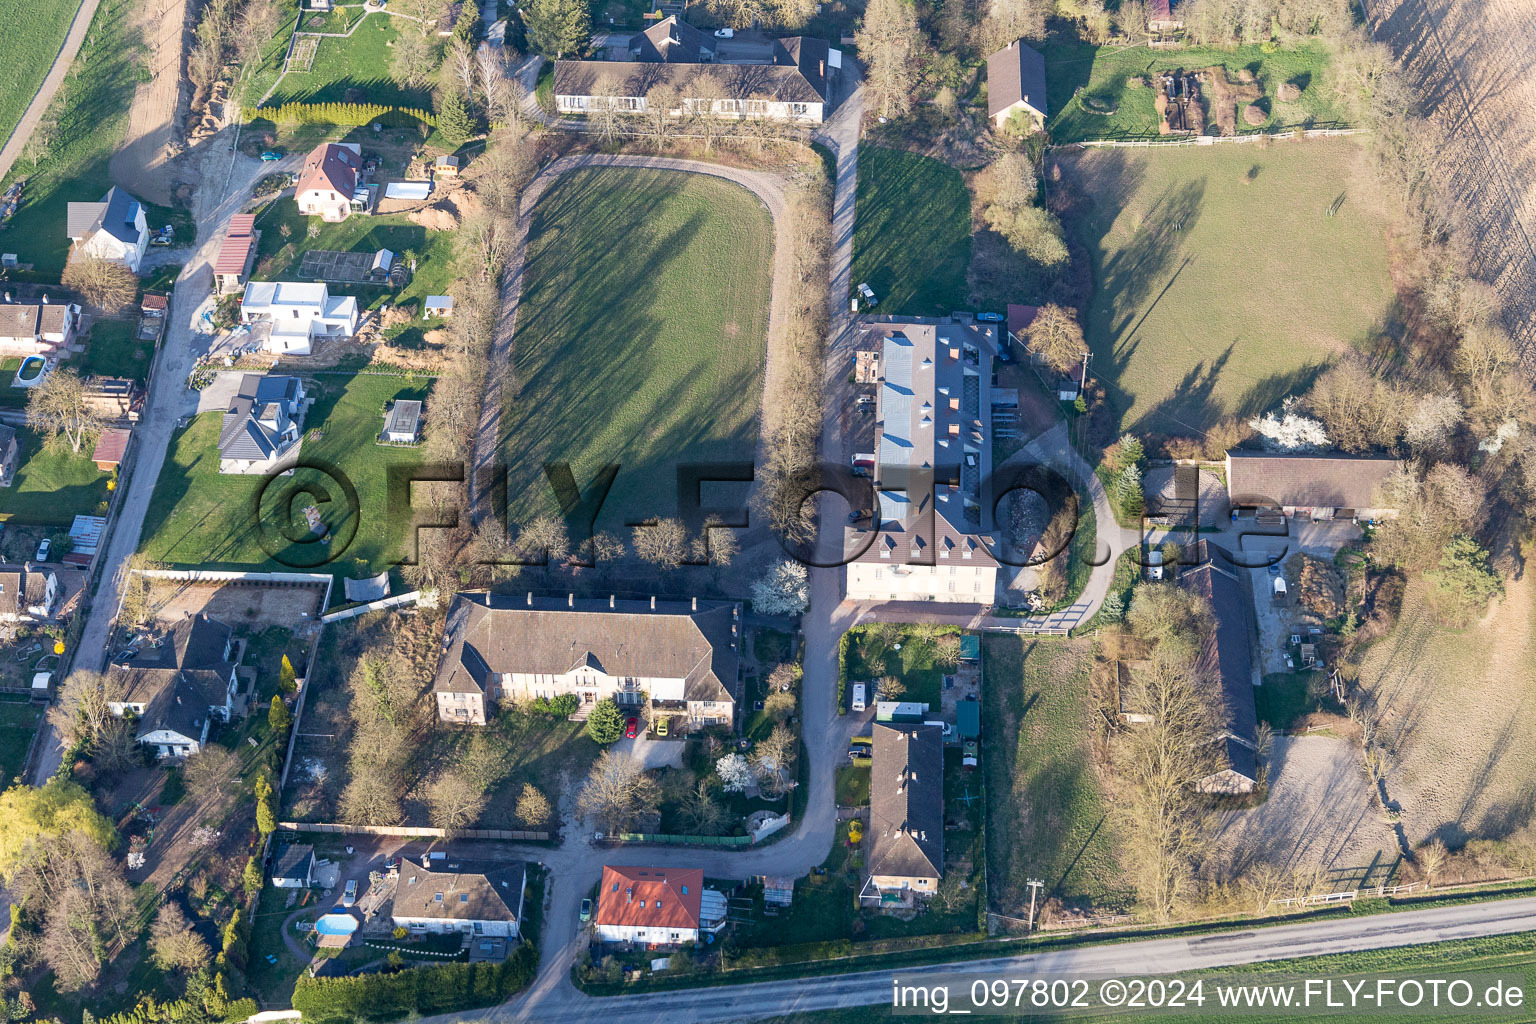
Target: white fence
x=415, y=831
x=372, y=606
x=1348, y=896
x=1211, y=140
x=769, y=827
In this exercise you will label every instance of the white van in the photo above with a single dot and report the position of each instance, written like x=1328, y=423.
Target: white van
x=860, y=696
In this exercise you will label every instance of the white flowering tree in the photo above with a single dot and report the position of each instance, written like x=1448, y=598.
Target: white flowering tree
x=1289, y=431
x=784, y=590
x=735, y=773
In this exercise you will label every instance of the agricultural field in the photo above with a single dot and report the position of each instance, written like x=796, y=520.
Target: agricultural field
x=912, y=232
x=355, y=69
x=34, y=33
x=645, y=355
x=1469, y=62
x=198, y=516
x=91, y=116
x=1456, y=713
x=52, y=487
x=1110, y=108
x=1220, y=284
x=1048, y=815
x=285, y=239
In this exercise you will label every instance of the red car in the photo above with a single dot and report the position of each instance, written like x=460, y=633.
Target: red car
x=631, y=728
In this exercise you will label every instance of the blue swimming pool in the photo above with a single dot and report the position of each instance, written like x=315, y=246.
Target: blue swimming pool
x=336, y=924
x=31, y=368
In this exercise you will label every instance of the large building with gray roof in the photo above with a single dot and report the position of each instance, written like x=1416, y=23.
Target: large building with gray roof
x=933, y=464
x=682, y=656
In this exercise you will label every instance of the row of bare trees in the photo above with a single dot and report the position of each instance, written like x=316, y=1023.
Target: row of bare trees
x=230, y=32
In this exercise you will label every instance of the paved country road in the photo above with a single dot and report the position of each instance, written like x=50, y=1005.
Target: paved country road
x=1126, y=959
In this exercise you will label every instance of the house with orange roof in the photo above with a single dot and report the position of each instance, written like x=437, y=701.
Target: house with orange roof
x=656, y=906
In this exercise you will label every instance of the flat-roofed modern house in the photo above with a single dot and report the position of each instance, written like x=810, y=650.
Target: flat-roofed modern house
x=1228, y=655
x=402, y=422
x=37, y=328
x=261, y=425
x=790, y=81
x=906, y=813
x=480, y=901
x=1317, y=486
x=236, y=253
x=933, y=459
x=113, y=229
x=1016, y=84
x=684, y=656
x=177, y=689
x=328, y=181
x=297, y=314
x=656, y=906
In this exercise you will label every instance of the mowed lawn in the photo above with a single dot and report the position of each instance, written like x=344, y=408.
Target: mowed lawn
x=1101, y=72
x=33, y=34
x=198, y=516
x=640, y=337
x=912, y=232
x=285, y=239
x=18, y=721
x=52, y=487
x=1047, y=813
x=1458, y=712
x=359, y=62
x=1220, y=284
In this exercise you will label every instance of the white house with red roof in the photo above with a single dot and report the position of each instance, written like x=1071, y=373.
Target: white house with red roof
x=656, y=906
x=329, y=180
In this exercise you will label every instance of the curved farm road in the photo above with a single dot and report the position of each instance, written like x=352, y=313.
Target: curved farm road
x=28, y=123
x=767, y=188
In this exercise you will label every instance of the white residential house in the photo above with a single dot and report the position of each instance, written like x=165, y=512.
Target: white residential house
x=261, y=426
x=176, y=690
x=27, y=593
x=933, y=461
x=37, y=328
x=656, y=906
x=683, y=657
x=447, y=898
x=297, y=314
x=112, y=229
x=328, y=180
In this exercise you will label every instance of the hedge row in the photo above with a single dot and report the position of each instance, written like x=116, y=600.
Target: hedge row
x=354, y=114
x=836, y=949
x=415, y=991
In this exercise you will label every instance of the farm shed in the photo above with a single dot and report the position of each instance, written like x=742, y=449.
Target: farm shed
x=437, y=306
x=1319, y=486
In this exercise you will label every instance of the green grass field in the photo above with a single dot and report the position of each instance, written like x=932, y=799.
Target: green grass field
x=199, y=517
x=1102, y=73
x=33, y=34
x=51, y=488
x=912, y=232
x=18, y=721
x=359, y=62
x=1220, y=286
x=279, y=256
x=1047, y=814
x=640, y=336
x=113, y=350
x=91, y=113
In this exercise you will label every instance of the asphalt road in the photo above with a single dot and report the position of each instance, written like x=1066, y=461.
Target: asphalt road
x=1126, y=959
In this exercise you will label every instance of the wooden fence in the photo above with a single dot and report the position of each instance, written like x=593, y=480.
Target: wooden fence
x=372, y=606
x=1349, y=896
x=415, y=831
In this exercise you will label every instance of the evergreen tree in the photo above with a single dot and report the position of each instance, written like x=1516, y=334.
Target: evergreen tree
x=279, y=717
x=285, y=677
x=606, y=722
x=453, y=120
x=557, y=28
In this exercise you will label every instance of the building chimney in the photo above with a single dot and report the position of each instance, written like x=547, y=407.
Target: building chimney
x=530, y=599
x=821, y=68
x=570, y=600
x=653, y=602
x=695, y=604
x=7, y=296
x=45, y=298
x=610, y=602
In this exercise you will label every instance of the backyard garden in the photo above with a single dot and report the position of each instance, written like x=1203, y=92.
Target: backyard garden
x=52, y=486
x=647, y=355
x=912, y=232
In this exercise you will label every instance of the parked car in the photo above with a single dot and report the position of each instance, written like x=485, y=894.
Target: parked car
x=1154, y=565
x=349, y=894
x=968, y=755
x=42, y=550
x=724, y=33
x=860, y=696
x=391, y=863
x=863, y=463
x=859, y=513
x=586, y=911
x=1274, y=569
x=867, y=294
x=991, y=318
x=632, y=728
x=661, y=727
x=272, y=154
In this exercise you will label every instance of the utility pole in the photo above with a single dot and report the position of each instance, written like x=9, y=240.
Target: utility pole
x=1034, y=886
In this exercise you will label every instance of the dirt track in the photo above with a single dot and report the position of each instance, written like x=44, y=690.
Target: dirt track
x=140, y=165
x=1474, y=64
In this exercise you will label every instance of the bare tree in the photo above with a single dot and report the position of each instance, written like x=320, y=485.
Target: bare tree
x=545, y=537
x=414, y=59
x=211, y=772
x=69, y=946
x=117, y=748
x=618, y=792
x=466, y=72
x=504, y=170
x=660, y=122
x=174, y=945
x=1432, y=857
x=716, y=543
x=701, y=813
x=889, y=42
x=105, y=284
x=503, y=103
x=60, y=409
x=454, y=800
x=773, y=761
x=533, y=808
x=663, y=543
x=1056, y=337
x=83, y=711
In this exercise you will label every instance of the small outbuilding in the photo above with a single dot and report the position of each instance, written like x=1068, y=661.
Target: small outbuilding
x=1016, y=84
x=402, y=423
x=293, y=867
x=446, y=165
x=110, y=446
x=437, y=306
